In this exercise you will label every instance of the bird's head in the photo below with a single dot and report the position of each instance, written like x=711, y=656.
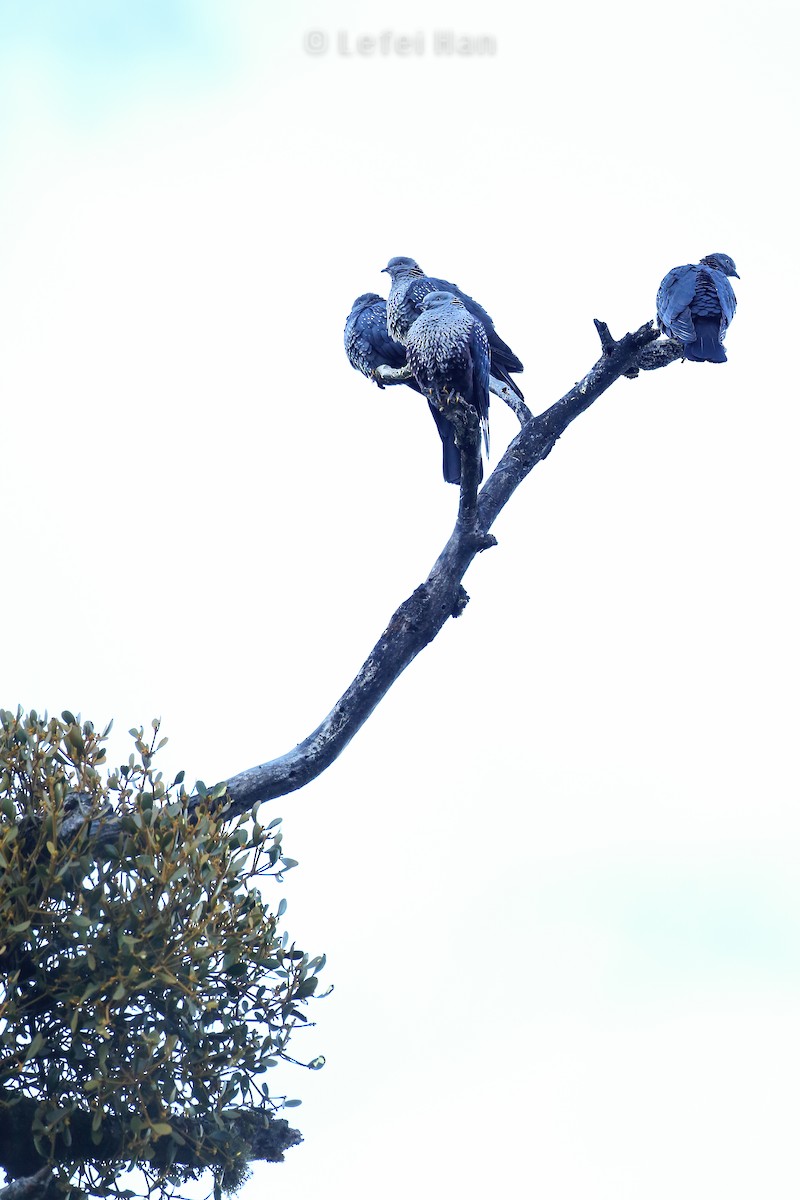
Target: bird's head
x=721, y=262
x=366, y=301
x=397, y=268
x=439, y=300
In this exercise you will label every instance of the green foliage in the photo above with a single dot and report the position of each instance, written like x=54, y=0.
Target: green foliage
x=143, y=980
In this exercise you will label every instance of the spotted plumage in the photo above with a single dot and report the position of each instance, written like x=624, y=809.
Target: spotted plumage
x=695, y=306
x=368, y=346
x=448, y=352
x=410, y=285
x=366, y=338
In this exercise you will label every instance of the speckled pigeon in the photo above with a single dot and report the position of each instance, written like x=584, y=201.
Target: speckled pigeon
x=368, y=345
x=410, y=284
x=695, y=305
x=448, y=351
x=366, y=338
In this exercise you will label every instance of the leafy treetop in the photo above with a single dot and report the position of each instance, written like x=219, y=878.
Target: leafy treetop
x=145, y=989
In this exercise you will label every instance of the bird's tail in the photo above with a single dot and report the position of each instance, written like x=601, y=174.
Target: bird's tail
x=451, y=463
x=502, y=351
x=706, y=347
x=451, y=459
x=502, y=374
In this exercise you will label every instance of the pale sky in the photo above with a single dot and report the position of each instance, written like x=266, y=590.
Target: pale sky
x=555, y=876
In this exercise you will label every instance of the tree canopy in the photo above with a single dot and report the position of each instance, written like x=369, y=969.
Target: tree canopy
x=146, y=988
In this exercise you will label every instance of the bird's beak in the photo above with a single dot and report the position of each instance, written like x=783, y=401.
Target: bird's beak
x=384, y=270
x=736, y=275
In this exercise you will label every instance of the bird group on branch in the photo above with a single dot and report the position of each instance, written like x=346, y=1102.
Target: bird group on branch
x=439, y=341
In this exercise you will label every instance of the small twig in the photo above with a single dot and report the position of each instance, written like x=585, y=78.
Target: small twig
x=606, y=340
x=517, y=406
x=391, y=375
x=650, y=358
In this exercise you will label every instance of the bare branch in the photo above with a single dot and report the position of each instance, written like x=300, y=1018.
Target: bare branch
x=517, y=406
x=468, y=440
x=388, y=376
x=442, y=596
x=419, y=618
x=29, y=1187
x=657, y=354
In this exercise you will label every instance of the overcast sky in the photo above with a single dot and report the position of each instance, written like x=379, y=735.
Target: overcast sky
x=555, y=875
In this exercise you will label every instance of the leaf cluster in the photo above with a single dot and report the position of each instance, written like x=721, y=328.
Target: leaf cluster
x=144, y=982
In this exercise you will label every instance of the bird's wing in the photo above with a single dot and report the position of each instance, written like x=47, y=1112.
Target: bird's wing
x=481, y=369
x=389, y=352
x=357, y=347
x=368, y=345
x=416, y=291
x=674, y=298
x=727, y=300
x=503, y=357
x=470, y=305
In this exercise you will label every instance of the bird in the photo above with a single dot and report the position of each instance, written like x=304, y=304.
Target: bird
x=448, y=352
x=410, y=284
x=695, y=306
x=366, y=338
x=368, y=346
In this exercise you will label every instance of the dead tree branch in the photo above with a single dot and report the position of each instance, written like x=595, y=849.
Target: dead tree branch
x=442, y=595
x=388, y=376
x=419, y=618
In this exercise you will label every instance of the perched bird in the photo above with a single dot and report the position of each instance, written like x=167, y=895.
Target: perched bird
x=366, y=338
x=448, y=352
x=695, y=305
x=368, y=345
x=410, y=285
